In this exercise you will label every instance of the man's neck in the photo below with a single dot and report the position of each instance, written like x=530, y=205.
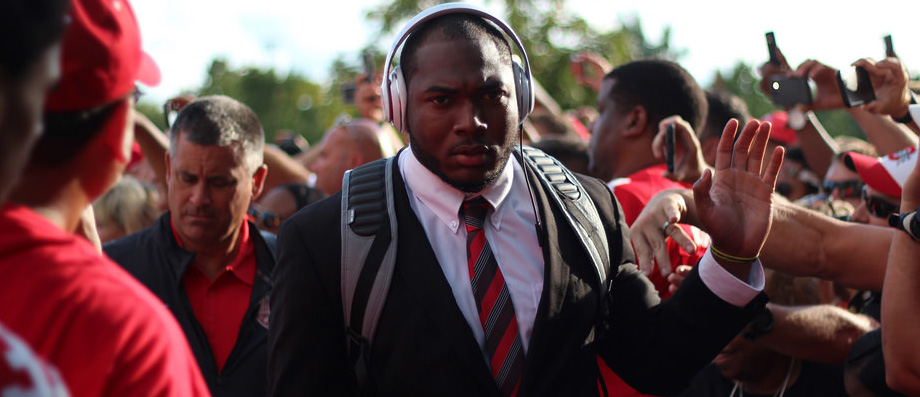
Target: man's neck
x=213, y=259
x=634, y=155
x=61, y=204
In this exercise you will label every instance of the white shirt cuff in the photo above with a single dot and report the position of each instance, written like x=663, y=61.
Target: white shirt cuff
x=728, y=287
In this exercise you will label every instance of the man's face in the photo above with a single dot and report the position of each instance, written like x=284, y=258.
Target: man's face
x=845, y=183
x=607, y=131
x=209, y=192
x=367, y=99
x=462, y=111
x=335, y=157
x=874, y=207
x=21, y=103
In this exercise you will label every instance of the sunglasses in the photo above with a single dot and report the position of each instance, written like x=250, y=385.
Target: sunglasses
x=845, y=189
x=877, y=206
x=266, y=219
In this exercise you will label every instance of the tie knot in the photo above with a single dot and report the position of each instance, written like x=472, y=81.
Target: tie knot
x=475, y=210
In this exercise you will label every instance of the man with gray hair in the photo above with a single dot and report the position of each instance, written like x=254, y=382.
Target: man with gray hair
x=203, y=258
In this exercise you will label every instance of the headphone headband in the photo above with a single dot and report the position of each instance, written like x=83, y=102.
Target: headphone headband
x=395, y=113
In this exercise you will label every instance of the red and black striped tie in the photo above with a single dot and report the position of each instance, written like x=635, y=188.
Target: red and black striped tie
x=496, y=312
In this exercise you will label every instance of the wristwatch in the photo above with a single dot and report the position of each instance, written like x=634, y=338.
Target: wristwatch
x=761, y=325
x=797, y=119
x=907, y=223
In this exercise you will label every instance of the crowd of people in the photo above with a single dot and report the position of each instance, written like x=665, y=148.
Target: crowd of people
x=461, y=234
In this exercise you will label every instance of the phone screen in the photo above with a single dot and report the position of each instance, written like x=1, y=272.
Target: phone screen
x=855, y=86
x=790, y=91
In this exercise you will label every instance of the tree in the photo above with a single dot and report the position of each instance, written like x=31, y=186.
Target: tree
x=282, y=102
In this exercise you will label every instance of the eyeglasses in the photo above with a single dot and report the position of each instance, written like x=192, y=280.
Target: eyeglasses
x=845, y=189
x=877, y=206
x=269, y=220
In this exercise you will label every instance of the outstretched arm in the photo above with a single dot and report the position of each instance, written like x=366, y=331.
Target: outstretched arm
x=801, y=242
x=899, y=308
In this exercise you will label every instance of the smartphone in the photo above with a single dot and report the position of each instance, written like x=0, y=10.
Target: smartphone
x=889, y=48
x=771, y=48
x=855, y=86
x=790, y=91
x=348, y=93
x=369, y=67
x=669, y=147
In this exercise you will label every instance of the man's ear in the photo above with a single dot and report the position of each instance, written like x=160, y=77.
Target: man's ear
x=636, y=122
x=258, y=180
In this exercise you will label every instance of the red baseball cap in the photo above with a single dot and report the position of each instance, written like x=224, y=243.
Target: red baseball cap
x=781, y=133
x=101, y=56
x=887, y=173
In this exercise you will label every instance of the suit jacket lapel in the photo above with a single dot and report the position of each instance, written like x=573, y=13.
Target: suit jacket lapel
x=418, y=266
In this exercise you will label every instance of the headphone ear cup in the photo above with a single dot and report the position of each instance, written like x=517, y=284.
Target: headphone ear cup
x=523, y=91
x=397, y=100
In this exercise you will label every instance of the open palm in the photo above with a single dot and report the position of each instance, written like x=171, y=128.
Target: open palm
x=734, y=203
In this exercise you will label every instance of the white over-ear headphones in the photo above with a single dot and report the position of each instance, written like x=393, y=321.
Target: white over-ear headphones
x=394, y=85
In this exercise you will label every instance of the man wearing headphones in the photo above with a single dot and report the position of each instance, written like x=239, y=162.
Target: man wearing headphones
x=480, y=301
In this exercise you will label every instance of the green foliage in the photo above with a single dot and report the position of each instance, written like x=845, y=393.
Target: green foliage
x=282, y=102
x=152, y=112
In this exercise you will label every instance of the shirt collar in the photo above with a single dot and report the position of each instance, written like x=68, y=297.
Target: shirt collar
x=444, y=200
x=243, y=266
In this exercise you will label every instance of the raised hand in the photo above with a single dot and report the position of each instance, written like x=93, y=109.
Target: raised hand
x=596, y=67
x=889, y=80
x=827, y=92
x=768, y=70
x=734, y=203
x=656, y=223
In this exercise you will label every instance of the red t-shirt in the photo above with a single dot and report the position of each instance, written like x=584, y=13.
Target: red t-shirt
x=220, y=304
x=633, y=193
x=105, y=332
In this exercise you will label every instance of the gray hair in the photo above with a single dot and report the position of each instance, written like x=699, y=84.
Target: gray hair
x=221, y=121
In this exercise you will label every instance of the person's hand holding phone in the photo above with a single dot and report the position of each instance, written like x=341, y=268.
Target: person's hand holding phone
x=890, y=79
x=827, y=91
x=173, y=105
x=688, y=160
x=775, y=66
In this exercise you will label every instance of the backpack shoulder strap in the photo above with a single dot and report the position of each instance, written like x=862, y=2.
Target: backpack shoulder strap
x=368, y=254
x=578, y=207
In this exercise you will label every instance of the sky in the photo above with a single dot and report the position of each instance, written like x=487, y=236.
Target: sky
x=183, y=36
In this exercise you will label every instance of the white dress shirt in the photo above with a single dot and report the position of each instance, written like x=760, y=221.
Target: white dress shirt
x=511, y=233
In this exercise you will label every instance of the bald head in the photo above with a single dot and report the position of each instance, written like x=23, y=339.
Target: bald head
x=345, y=147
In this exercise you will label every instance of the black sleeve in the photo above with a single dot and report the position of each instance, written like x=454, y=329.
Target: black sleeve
x=306, y=328
x=657, y=347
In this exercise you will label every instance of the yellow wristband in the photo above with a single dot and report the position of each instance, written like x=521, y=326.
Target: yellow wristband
x=719, y=255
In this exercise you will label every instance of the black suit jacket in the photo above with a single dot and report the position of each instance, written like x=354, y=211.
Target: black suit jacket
x=424, y=346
